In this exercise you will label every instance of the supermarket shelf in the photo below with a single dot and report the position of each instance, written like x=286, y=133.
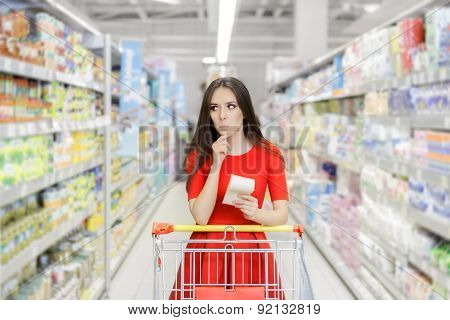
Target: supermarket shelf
x=134, y=235
x=438, y=122
x=123, y=211
x=349, y=277
x=338, y=161
x=416, y=172
x=397, y=167
x=386, y=200
x=42, y=244
x=130, y=178
x=126, y=182
x=28, y=70
x=95, y=291
x=14, y=130
x=386, y=280
x=415, y=79
x=341, y=94
x=431, y=122
x=431, y=222
x=437, y=275
x=431, y=176
x=390, y=249
x=311, y=67
x=16, y=192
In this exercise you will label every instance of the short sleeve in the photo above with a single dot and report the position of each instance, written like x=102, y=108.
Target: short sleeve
x=276, y=177
x=199, y=177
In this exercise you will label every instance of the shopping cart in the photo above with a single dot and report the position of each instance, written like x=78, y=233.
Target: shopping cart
x=227, y=267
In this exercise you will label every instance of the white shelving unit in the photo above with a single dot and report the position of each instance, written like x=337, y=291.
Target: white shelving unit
x=95, y=291
x=46, y=126
x=426, y=267
x=31, y=71
x=386, y=280
x=22, y=190
x=434, y=223
x=336, y=262
x=431, y=222
x=134, y=235
x=415, y=79
x=390, y=165
x=42, y=244
x=416, y=121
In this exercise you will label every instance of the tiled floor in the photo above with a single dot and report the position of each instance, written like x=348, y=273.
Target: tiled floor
x=134, y=280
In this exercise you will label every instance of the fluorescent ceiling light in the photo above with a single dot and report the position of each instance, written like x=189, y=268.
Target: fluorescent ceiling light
x=169, y=1
x=209, y=60
x=74, y=17
x=371, y=7
x=227, y=10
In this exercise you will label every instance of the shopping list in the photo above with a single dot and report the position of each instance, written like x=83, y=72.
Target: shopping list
x=236, y=186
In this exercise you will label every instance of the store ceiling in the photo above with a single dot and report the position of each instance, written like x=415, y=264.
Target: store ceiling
x=185, y=30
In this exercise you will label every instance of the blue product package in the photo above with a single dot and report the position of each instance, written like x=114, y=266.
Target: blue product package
x=416, y=186
x=338, y=82
x=313, y=187
x=330, y=168
x=442, y=210
x=438, y=194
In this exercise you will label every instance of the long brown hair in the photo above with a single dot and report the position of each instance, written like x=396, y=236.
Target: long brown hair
x=206, y=134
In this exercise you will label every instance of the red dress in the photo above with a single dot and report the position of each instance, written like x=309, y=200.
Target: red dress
x=267, y=169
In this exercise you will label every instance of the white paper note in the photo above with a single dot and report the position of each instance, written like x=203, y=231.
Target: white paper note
x=238, y=185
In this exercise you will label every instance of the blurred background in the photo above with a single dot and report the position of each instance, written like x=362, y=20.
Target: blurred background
x=99, y=98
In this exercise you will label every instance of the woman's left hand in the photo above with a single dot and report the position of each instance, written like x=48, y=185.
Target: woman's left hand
x=248, y=205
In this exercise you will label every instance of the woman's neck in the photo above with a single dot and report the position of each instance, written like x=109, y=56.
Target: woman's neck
x=239, y=144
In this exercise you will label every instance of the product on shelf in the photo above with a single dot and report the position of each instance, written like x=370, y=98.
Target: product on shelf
x=375, y=287
x=431, y=149
x=430, y=100
x=48, y=42
x=378, y=181
x=24, y=159
x=20, y=100
x=432, y=249
x=433, y=200
x=30, y=158
x=70, y=102
x=344, y=228
x=27, y=220
x=14, y=24
x=437, y=35
x=74, y=147
x=393, y=255
x=23, y=100
x=316, y=196
x=65, y=271
x=409, y=46
x=126, y=203
x=115, y=82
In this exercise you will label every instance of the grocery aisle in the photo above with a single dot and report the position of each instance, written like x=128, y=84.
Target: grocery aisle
x=95, y=117
x=134, y=280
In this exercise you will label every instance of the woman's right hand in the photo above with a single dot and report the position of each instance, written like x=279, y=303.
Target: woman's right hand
x=220, y=150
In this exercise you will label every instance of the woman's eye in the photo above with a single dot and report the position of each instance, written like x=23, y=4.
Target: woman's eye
x=231, y=106
x=214, y=108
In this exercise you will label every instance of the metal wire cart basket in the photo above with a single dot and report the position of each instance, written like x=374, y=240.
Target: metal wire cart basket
x=228, y=268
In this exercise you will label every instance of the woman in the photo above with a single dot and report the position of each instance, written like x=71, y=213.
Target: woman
x=228, y=140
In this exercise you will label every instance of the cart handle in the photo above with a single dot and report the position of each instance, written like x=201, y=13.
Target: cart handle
x=165, y=228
